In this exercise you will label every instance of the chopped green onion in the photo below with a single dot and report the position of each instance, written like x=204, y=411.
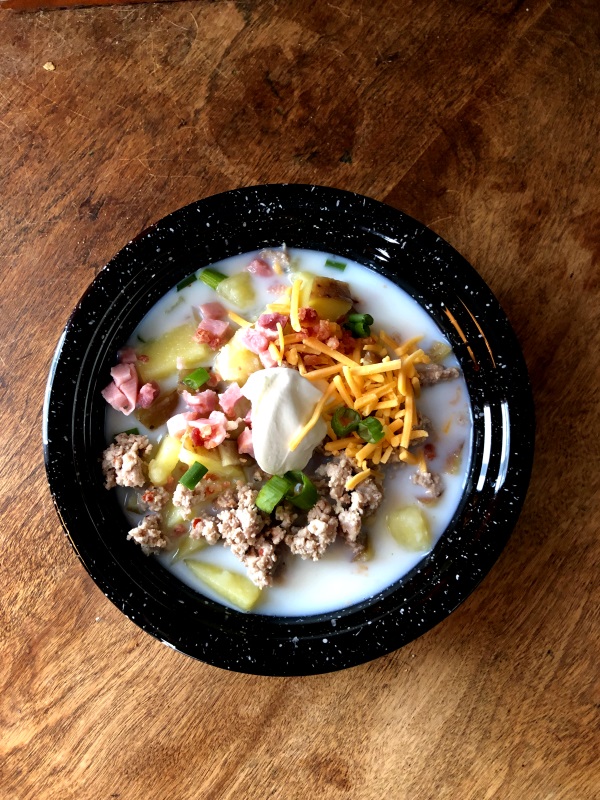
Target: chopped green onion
x=212, y=278
x=307, y=496
x=371, y=430
x=345, y=420
x=186, y=281
x=358, y=324
x=193, y=476
x=196, y=379
x=335, y=264
x=131, y=504
x=272, y=493
x=132, y=432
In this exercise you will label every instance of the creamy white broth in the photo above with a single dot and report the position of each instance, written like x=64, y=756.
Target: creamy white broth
x=313, y=587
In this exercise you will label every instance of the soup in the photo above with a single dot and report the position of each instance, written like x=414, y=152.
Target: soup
x=301, y=410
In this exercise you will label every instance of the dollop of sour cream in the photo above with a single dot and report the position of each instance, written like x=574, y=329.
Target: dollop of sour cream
x=282, y=403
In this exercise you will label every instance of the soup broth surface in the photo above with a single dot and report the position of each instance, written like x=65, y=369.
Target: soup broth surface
x=304, y=588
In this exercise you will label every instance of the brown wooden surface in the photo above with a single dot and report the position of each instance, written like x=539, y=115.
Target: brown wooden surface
x=481, y=120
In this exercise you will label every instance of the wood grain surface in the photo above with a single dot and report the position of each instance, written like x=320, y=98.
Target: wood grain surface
x=481, y=120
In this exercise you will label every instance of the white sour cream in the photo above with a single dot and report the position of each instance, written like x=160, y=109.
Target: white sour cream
x=282, y=403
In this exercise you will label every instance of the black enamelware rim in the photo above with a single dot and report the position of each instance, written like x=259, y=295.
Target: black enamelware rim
x=383, y=239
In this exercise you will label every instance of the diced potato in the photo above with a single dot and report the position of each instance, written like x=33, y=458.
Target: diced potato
x=229, y=453
x=159, y=412
x=210, y=459
x=165, y=461
x=331, y=308
x=188, y=547
x=163, y=353
x=234, y=362
x=173, y=515
x=231, y=586
x=237, y=290
x=439, y=351
x=307, y=279
x=409, y=528
x=330, y=298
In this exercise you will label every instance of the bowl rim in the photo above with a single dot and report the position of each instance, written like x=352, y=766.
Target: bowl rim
x=375, y=235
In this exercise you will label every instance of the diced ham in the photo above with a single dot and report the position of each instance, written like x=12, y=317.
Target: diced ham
x=213, y=332
x=122, y=392
x=148, y=394
x=178, y=424
x=127, y=355
x=244, y=442
x=267, y=324
x=116, y=398
x=248, y=418
x=211, y=431
x=213, y=311
x=306, y=314
x=259, y=267
x=254, y=340
x=267, y=359
x=229, y=398
x=203, y=402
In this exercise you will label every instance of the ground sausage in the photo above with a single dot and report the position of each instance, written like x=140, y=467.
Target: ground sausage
x=430, y=481
x=429, y=374
x=122, y=462
x=148, y=534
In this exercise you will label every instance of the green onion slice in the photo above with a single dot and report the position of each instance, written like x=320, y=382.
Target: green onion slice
x=335, y=264
x=186, y=281
x=303, y=493
x=345, y=420
x=358, y=324
x=272, y=493
x=211, y=277
x=371, y=430
x=196, y=379
x=193, y=476
x=132, y=432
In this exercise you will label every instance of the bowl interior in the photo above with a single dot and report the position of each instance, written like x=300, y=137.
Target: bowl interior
x=386, y=241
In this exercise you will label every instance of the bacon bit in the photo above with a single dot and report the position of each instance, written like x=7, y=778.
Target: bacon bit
x=144, y=359
x=430, y=452
x=179, y=530
x=148, y=394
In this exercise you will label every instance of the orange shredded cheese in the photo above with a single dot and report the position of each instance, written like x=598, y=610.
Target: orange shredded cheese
x=294, y=300
x=353, y=482
x=243, y=323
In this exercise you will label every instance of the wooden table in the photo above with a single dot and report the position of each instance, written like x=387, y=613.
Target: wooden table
x=478, y=119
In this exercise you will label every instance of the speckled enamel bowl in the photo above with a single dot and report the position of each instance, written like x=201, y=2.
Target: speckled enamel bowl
x=386, y=241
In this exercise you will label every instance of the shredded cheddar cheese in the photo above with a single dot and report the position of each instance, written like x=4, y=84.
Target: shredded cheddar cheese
x=294, y=305
x=243, y=323
x=313, y=420
x=353, y=482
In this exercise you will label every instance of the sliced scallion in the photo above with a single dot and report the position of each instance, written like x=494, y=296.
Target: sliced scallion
x=341, y=265
x=345, y=420
x=186, y=281
x=371, y=430
x=358, y=324
x=193, y=476
x=196, y=379
x=303, y=493
x=272, y=493
x=132, y=432
x=211, y=277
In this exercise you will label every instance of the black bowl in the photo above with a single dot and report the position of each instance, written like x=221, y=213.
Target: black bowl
x=388, y=242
